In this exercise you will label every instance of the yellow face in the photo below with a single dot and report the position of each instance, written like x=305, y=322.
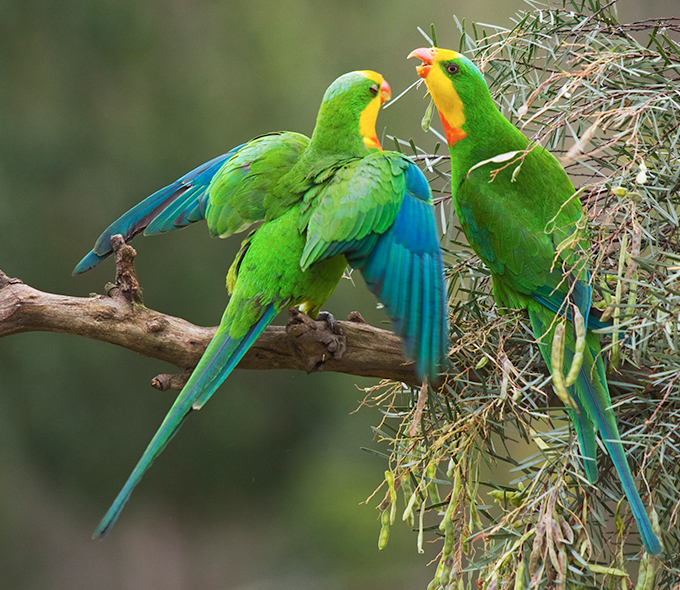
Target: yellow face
x=445, y=97
x=369, y=116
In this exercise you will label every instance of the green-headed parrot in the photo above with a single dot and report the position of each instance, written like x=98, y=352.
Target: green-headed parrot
x=518, y=209
x=324, y=202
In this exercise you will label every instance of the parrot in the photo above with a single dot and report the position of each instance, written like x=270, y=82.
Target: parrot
x=322, y=203
x=519, y=211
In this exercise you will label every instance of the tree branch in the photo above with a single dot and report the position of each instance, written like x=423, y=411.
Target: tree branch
x=119, y=317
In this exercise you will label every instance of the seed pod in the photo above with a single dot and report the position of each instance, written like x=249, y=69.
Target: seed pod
x=384, y=536
x=557, y=363
x=579, y=347
x=427, y=117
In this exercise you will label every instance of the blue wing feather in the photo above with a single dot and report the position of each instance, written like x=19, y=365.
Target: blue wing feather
x=187, y=191
x=405, y=271
x=180, y=213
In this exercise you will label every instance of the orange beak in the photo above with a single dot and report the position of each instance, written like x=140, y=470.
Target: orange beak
x=385, y=92
x=426, y=55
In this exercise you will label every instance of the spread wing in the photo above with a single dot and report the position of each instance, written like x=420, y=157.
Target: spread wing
x=378, y=212
x=238, y=190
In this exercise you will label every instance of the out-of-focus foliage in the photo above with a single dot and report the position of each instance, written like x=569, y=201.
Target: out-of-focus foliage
x=602, y=96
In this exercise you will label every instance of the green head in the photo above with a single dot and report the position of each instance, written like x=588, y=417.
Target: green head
x=455, y=84
x=349, y=111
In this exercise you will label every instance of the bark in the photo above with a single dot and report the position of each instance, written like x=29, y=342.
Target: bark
x=119, y=317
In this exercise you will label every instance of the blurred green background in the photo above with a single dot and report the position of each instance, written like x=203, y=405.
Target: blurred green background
x=103, y=102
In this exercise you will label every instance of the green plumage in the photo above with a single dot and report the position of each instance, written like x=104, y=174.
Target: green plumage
x=521, y=217
x=239, y=191
x=321, y=203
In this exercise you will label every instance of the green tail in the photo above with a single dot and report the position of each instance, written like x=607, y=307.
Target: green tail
x=591, y=394
x=219, y=359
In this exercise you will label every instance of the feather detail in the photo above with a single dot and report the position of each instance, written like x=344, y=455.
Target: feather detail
x=220, y=358
x=188, y=191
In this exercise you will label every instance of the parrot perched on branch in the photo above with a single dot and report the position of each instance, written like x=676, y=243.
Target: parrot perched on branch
x=519, y=211
x=323, y=202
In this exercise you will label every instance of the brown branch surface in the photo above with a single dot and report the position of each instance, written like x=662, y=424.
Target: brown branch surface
x=352, y=347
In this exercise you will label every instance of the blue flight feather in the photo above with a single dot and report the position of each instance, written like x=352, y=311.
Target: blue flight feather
x=189, y=189
x=402, y=269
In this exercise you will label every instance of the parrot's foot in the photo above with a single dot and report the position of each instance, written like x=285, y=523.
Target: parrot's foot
x=317, y=341
x=329, y=318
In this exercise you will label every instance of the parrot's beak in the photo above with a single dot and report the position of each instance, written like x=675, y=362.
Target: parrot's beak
x=427, y=56
x=385, y=92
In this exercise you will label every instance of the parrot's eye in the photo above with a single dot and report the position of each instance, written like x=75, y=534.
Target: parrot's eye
x=452, y=69
x=373, y=89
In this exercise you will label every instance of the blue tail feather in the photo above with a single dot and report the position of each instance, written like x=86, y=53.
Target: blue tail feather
x=603, y=417
x=219, y=359
x=583, y=424
x=541, y=320
x=234, y=356
x=188, y=191
x=591, y=395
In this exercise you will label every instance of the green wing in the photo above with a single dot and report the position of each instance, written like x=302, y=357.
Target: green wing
x=378, y=212
x=361, y=199
x=237, y=192
x=516, y=228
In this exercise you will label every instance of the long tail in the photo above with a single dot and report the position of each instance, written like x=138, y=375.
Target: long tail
x=172, y=207
x=591, y=394
x=219, y=359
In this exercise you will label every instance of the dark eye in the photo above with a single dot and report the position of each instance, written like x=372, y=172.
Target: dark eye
x=373, y=89
x=452, y=69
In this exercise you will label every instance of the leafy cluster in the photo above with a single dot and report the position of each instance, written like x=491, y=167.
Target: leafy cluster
x=488, y=466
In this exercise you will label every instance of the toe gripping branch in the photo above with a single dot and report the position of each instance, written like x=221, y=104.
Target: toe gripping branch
x=316, y=341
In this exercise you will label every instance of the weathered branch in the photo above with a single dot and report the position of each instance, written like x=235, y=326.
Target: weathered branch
x=119, y=317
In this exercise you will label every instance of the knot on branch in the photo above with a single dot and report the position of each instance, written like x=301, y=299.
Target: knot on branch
x=9, y=301
x=356, y=317
x=166, y=381
x=315, y=340
x=127, y=284
x=5, y=280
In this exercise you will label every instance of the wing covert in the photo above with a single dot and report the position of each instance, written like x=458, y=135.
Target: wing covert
x=237, y=192
x=354, y=206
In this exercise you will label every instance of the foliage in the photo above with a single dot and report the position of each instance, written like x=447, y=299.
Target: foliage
x=604, y=98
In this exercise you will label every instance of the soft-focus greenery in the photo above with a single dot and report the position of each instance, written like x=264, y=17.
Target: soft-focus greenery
x=103, y=102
